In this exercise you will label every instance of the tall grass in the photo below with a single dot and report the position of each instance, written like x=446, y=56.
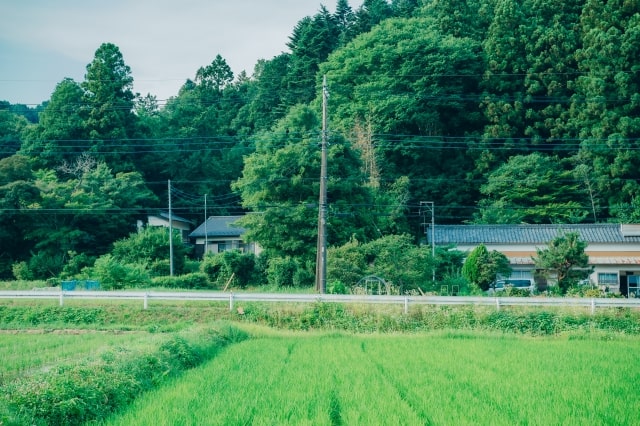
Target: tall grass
x=173, y=316
x=438, y=379
x=23, y=354
x=94, y=385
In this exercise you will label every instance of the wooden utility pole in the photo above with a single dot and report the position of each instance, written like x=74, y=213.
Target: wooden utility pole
x=206, y=241
x=431, y=206
x=170, y=233
x=321, y=257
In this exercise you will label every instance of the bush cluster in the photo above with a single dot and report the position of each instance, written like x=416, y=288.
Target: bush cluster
x=195, y=280
x=330, y=316
x=93, y=389
x=231, y=267
x=36, y=315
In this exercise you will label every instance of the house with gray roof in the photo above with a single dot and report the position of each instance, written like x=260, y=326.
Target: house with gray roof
x=613, y=249
x=220, y=233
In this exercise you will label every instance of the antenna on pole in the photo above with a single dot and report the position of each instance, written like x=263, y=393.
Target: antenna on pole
x=170, y=232
x=321, y=258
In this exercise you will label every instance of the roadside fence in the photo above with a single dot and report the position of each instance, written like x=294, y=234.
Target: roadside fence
x=405, y=301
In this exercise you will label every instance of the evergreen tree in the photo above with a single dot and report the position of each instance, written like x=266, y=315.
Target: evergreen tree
x=266, y=104
x=281, y=182
x=605, y=110
x=408, y=85
x=482, y=267
x=11, y=127
x=345, y=20
x=311, y=42
x=531, y=189
x=17, y=194
x=566, y=258
x=85, y=212
x=108, y=108
x=371, y=13
x=60, y=134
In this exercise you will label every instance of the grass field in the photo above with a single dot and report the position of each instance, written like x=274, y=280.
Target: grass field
x=327, y=364
x=23, y=353
x=431, y=379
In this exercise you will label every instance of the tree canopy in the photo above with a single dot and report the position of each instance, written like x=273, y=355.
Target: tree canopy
x=497, y=111
x=566, y=258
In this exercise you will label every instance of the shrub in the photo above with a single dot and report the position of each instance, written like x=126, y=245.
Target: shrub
x=114, y=275
x=196, y=280
x=150, y=246
x=454, y=283
x=76, y=263
x=75, y=394
x=191, y=266
x=42, y=265
x=510, y=291
x=159, y=267
x=22, y=272
x=287, y=271
x=337, y=287
x=482, y=266
x=281, y=271
x=231, y=264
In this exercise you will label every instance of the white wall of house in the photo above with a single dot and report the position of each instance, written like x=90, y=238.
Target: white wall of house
x=611, y=262
x=215, y=246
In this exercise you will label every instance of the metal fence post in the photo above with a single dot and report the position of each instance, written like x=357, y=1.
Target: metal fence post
x=497, y=304
x=593, y=306
x=146, y=300
x=406, y=305
x=61, y=298
x=231, y=302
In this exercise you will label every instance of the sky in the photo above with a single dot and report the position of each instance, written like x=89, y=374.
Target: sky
x=164, y=42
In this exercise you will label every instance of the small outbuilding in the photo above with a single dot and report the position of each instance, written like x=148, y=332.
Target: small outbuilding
x=162, y=219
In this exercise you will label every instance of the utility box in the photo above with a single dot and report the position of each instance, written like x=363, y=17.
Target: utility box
x=68, y=285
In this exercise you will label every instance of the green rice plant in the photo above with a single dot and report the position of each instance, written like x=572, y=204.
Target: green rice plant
x=439, y=379
x=33, y=352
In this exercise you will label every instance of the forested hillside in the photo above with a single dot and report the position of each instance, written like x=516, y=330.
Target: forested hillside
x=497, y=111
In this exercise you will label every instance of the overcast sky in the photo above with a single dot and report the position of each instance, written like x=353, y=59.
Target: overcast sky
x=163, y=41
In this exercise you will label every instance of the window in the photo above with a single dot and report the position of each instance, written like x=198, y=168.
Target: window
x=521, y=275
x=634, y=285
x=607, y=279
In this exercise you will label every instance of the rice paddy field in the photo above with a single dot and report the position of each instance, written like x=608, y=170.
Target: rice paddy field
x=188, y=364
x=443, y=378
x=37, y=350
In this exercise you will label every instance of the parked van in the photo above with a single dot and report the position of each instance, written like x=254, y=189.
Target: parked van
x=500, y=285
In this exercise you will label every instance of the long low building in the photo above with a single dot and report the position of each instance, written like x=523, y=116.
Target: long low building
x=613, y=249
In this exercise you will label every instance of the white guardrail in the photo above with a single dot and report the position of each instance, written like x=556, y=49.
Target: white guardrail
x=232, y=298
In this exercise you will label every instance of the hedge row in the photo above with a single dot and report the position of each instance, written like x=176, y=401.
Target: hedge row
x=93, y=389
x=531, y=321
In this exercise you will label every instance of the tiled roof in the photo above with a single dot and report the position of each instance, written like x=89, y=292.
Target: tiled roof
x=219, y=226
x=619, y=260
x=527, y=234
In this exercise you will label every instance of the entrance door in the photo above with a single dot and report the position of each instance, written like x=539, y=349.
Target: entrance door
x=624, y=285
x=633, y=285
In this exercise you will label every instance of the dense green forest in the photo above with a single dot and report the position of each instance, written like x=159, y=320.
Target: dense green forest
x=497, y=111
